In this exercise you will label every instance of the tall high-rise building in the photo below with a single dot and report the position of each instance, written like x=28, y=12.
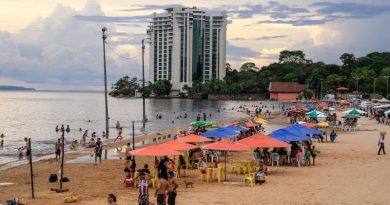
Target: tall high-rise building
x=187, y=45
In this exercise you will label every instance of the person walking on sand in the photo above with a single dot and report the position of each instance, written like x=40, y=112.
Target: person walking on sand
x=84, y=137
x=128, y=150
x=381, y=143
x=57, y=148
x=161, y=190
x=98, y=150
x=119, y=137
x=143, y=197
x=172, y=189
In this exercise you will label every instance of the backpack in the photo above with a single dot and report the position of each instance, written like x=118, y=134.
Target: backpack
x=53, y=178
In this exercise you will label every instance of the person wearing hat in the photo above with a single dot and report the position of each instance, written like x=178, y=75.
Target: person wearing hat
x=381, y=142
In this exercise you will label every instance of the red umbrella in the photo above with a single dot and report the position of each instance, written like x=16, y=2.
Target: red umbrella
x=154, y=150
x=178, y=145
x=194, y=139
x=262, y=141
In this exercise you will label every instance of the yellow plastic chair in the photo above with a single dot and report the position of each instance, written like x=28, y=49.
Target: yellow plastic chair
x=203, y=176
x=154, y=179
x=220, y=172
x=249, y=178
x=135, y=184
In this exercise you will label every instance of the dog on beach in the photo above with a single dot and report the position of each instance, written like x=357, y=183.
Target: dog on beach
x=188, y=184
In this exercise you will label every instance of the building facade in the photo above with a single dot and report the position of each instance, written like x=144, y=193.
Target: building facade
x=187, y=45
x=285, y=91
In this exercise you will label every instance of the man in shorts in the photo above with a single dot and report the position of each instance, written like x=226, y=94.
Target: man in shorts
x=57, y=147
x=161, y=190
x=98, y=150
x=172, y=188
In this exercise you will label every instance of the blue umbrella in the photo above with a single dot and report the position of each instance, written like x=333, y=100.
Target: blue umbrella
x=310, y=106
x=224, y=132
x=295, y=132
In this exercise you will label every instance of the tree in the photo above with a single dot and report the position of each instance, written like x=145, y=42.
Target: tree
x=348, y=60
x=228, y=67
x=249, y=66
x=292, y=57
x=307, y=94
x=125, y=87
x=162, y=88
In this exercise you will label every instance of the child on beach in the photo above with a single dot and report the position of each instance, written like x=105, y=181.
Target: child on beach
x=20, y=150
x=381, y=142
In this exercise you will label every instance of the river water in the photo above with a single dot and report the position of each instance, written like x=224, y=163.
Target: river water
x=35, y=115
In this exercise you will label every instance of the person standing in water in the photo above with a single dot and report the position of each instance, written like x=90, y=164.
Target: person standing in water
x=119, y=137
x=98, y=150
x=84, y=137
x=57, y=147
x=27, y=148
x=118, y=125
x=2, y=140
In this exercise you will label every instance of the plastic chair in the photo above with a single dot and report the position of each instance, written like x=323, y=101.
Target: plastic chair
x=275, y=158
x=249, y=178
x=203, y=176
x=135, y=185
x=220, y=172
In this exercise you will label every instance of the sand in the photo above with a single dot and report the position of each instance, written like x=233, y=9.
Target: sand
x=348, y=171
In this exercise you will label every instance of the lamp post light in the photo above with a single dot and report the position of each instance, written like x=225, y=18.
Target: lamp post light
x=104, y=37
x=143, y=85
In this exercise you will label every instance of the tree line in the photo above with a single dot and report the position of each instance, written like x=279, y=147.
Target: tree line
x=358, y=74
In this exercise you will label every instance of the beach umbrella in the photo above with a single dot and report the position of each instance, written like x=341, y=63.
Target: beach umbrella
x=194, y=139
x=322, y=105
x=384, y=100
x=201, y=124
x=310, y=106
x=323, y=124
x=262, y=141
x=349, y=116
x=224, y=132
x=226, y=145
x=178, y=145
x=155, y=150
x=261, y=121
x=308, y=124
x=354, y=111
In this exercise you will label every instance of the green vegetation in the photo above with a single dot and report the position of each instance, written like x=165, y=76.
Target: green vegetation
x=291, y=67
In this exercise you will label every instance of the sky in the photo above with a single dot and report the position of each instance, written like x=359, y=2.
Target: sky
x=57, y=44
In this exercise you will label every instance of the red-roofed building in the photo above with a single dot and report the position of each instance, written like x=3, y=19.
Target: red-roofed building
x=285, y=91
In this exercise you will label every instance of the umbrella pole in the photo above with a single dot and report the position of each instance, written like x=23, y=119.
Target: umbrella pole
x=225, y=164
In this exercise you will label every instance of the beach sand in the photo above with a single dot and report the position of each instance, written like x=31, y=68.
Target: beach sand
x=348, y=171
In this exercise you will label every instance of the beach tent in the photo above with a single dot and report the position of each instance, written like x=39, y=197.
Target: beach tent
x=294, y=132
x=354, y=111
x=201, y=124
x=381, y=106
x=350, y=116
x=307, y=124
x=262, y=141
x=194, y=139
x=384, y=100
x=226, y=145
x=224, y=132
x=178, y=145
x=155, y=150
x=314, y=113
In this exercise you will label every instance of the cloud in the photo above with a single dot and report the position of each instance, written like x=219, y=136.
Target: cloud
x=114, y=19
x=350, y=10
x=66, y=54
x=152, y=7
x=261, y=38
x=236, y=53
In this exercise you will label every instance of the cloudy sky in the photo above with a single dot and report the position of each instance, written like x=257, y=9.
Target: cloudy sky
x=56, y=44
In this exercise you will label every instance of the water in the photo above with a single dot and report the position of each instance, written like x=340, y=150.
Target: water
x=35, y=115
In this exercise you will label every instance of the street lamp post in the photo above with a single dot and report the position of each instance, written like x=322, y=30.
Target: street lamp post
x=357, y=85
x=143, y=85
x=321, y=79
x=104, y=37
x=374, y=87
x=387, y=85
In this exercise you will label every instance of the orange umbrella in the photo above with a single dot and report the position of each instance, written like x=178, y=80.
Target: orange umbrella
x=178, y=145
x=154, y=150
x=225, y=145
x=262, y=141
x=194, y=139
